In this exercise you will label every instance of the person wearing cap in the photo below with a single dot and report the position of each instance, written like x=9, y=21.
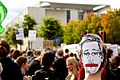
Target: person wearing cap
x=93, y=55
x=11, y=70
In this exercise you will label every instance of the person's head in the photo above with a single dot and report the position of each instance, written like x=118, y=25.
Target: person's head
x=30, y=53
x=37, y=53
x=16, y=54
x=60, y=52
x=47, y=59
x=71, y=54
x=4, y=49
x=23, y=63
x=72, y=65
x=92, y=53
x=66, y=50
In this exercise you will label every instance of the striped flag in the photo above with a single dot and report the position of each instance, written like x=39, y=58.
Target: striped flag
x=3, y=13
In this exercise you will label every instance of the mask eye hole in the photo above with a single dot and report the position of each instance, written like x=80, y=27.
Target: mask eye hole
x=95, y=53
x=86, y=53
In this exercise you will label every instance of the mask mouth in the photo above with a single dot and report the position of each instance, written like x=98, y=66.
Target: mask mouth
x=91, y=65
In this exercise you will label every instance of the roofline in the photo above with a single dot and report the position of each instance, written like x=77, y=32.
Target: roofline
x=70, y=3
x=74, y=5
x=106, y=6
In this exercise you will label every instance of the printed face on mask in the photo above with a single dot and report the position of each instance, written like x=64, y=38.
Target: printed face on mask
x=91, y=57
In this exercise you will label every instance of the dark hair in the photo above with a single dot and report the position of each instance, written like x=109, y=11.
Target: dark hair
x=11, y=51
x=48, y=59
x=16, y=54
x=119, y=54
x=21, y=60
x=30, y=53
x=71, y=54
x=105, y=54
x=115, y=62
x=37, y=52
x=4, y=49
x=66, y=50
x=60, y=52
x=47, y=49
x=109, y=53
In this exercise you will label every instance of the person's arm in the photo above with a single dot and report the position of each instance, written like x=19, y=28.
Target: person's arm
x=1, y=68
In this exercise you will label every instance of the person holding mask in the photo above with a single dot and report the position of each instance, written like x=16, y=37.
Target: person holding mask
x=93, y=55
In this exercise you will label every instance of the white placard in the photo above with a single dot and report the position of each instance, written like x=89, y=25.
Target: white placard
x=32, y=35
x=38, y=44
x=115, y=49
x=19, y=34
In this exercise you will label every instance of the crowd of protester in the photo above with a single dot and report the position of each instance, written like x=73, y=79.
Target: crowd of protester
x=53, y=65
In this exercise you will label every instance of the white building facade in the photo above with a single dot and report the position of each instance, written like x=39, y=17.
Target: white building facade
x=62, y=11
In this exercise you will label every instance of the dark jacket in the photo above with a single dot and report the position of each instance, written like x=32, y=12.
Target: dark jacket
x=60, y=69
x=117, y=72
x=44, y=74
x=34, y=66
x=110, y=75
x=11, y=70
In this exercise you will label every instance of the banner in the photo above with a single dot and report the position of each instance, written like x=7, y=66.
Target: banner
x=32, y=35
x=19, y=34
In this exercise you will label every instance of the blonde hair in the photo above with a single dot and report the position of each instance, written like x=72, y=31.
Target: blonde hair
x=73, y=61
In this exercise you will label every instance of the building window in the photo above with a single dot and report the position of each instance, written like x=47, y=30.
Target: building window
x=80, y=15
x=68, y=15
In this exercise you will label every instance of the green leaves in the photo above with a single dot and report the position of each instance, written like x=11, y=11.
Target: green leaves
x=72, y=32
x=51, y=29
x=28, y=24
x=111, y=26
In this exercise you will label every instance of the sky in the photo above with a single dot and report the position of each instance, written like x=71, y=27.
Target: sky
x=15, y=7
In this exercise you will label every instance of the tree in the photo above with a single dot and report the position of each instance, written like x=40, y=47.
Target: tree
x=108, y=25
x=75, y=29
x=72, y=32
x=93, y=23
x=50, y=29
x=111, y=25
x=28, y=24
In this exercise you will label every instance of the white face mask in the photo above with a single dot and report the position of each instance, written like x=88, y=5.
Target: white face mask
x=91, y=57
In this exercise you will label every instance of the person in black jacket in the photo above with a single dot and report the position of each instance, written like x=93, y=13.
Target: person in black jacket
x=34, y=64
x=46, y=72
x=60, y=66
x=115, y=64
x=11, y=70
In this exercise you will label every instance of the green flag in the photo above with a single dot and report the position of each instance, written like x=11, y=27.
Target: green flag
x=3, y=13
x=3, y=39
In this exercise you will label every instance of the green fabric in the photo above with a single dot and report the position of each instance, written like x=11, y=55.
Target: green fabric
x=3, y=13
x=3, y=39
